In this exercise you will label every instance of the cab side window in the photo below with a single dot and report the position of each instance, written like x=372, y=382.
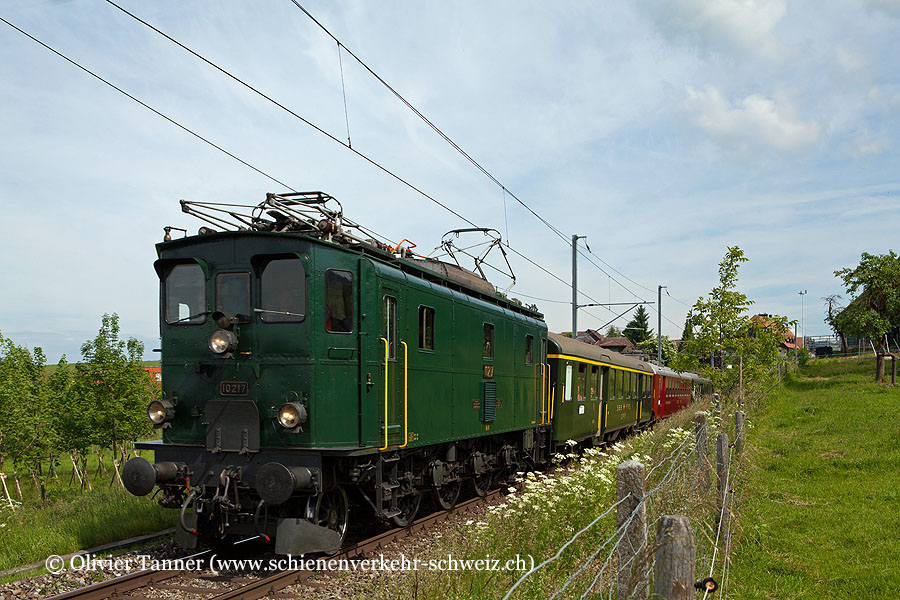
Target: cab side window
x=390, y=325
x=488, y=342
x=529, y=350
x=426, y=328
x=338, y=301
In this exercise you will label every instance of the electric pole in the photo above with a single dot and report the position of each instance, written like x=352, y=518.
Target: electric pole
x=659, y=323
x=802, y=332
x=575, y=239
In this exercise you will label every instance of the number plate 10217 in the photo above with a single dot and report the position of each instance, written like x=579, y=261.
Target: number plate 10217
x=234, y=388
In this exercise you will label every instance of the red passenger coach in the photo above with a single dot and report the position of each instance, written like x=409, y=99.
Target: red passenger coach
x=671, y=391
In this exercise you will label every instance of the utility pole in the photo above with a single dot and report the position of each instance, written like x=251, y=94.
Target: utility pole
x=802, y=331
x=575, y=239
x=659, y=323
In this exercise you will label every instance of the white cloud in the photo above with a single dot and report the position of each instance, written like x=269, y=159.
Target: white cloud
x=744, y=26
x=868, y=144
x=752, y=121
x=890, y=7
x=849, y=59
x=886, y=97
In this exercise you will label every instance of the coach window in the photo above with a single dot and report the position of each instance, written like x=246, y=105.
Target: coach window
x=594, y=382
x=529, y=350
x=426, y=328
x=185, y=295
x=579, y=384
x=338, y=301
x=282, y=291
x=233, y=295
x=611, y=386
x=390, y=325
x=488, y=343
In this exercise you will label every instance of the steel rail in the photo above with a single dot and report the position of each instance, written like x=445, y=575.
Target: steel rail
x=261, y=588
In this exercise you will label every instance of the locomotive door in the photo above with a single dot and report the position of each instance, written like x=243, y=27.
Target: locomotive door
x=393, y=351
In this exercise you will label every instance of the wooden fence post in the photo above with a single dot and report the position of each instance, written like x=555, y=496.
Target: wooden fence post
x=701, y=440
x=675, y=557
x=738, y=432
x=722, y=464
x=633, y=579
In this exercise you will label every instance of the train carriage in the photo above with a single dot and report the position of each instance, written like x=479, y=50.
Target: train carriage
x=596, y=393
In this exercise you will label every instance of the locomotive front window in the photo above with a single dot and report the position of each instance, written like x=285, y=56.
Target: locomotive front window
x=338, y=301
x=282, y=287
x=185, y=294
x=233, y=294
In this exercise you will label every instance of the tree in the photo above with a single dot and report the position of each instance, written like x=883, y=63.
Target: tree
x=874, y=285
x=25, y=434
x=833, y=309
x=112, y=389
x=725, y=335
x=613, y=331
x=688, y=331
x=651, y=346
x=638, y=328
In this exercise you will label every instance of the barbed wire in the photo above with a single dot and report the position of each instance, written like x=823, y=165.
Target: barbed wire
x=617, y=535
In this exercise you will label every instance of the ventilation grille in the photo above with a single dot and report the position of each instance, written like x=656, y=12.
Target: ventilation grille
x=489, y=401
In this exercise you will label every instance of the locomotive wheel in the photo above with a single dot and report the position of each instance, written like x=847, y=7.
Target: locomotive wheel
x=333, y=511
x=447, y=495
x=481, y=484
x=409, y=506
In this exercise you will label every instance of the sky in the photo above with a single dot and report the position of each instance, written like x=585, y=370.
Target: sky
x=663, y=130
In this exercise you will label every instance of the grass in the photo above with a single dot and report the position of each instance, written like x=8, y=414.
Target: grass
x=70, y=519
x=818, y=513
x=548, y=510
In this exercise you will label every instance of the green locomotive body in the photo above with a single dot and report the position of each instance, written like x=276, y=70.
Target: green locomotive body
x=303, y=367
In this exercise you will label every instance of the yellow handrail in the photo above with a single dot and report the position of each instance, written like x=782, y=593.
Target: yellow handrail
x=543, y=390
x=549, y=411
x=552, y=402
x=405, y=396
x=386, y=356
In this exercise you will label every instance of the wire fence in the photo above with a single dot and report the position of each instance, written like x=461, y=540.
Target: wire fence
x=677, y=489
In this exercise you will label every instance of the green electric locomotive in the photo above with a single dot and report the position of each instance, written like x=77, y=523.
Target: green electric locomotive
x=302, y=364
x=305, y=365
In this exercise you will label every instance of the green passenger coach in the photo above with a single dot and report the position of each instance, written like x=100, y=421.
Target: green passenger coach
x=596, y=393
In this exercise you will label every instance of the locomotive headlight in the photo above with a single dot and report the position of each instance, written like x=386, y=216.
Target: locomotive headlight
x=222, y=341
x=291, y=415
x=160, y=412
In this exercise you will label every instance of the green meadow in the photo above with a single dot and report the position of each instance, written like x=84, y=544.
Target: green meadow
x=819, y=506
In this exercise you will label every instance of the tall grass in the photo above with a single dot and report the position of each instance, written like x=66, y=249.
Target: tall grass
x=548, y=509
x=68, y=518
x=819, y=506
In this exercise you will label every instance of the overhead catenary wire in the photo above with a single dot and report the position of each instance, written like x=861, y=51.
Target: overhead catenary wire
x=159, y=113
x=335, y=139
x=504, y=189
x=147, y=106
x=294, y=114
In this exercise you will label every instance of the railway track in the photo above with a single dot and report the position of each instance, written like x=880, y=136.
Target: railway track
x=195, y=582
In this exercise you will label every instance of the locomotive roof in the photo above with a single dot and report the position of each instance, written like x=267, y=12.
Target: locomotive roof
x=447, y=274
x=579, y=349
